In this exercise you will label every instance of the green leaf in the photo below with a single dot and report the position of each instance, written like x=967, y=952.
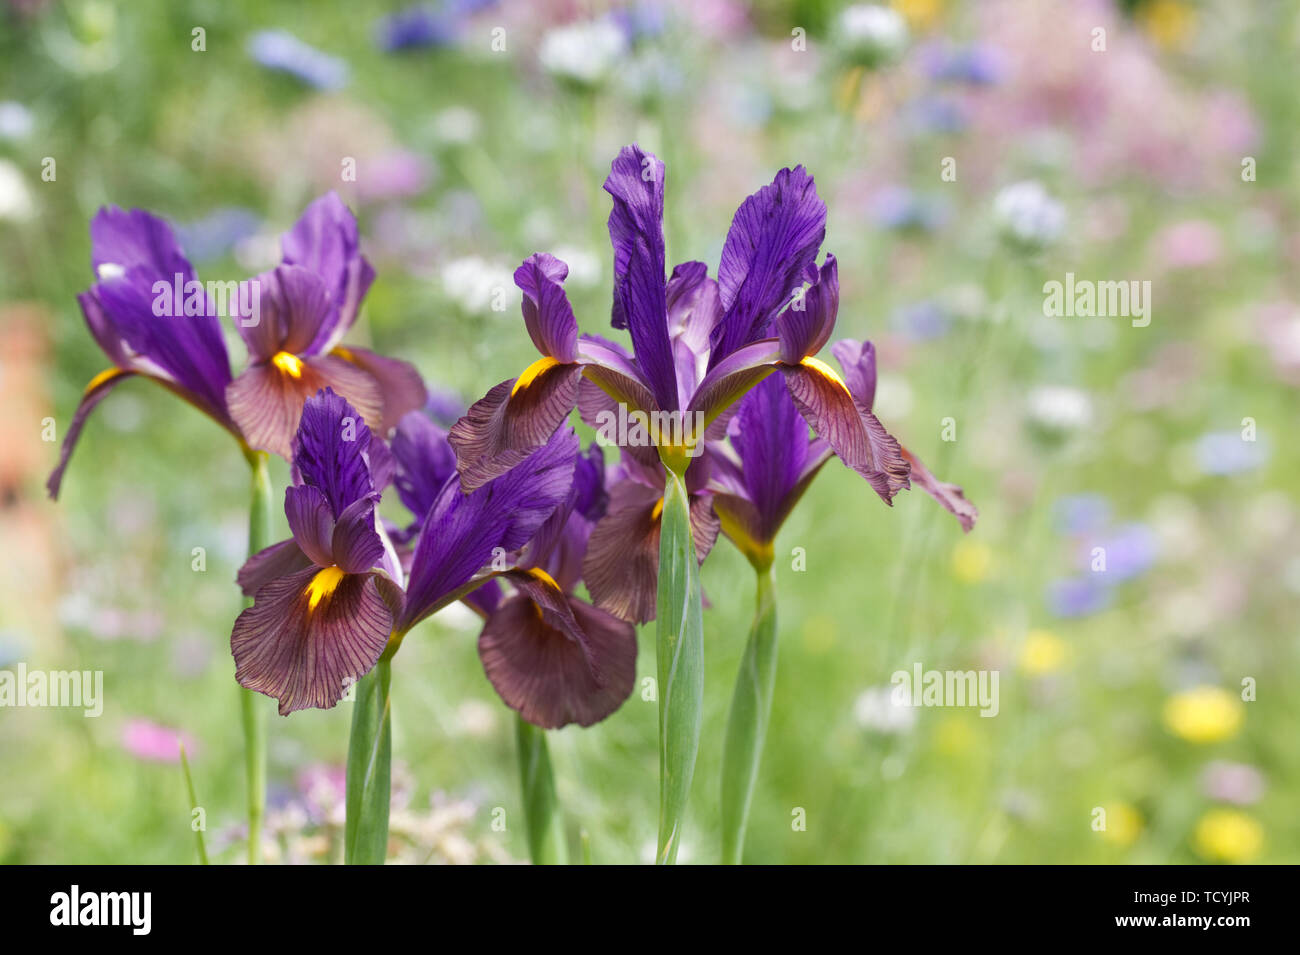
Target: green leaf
x=252, y=706
x=369, y=771
x=680, y=660
x=751, y=707
x=546, y=845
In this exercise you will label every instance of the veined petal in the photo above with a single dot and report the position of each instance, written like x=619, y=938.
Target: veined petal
x=266, y=400
x=278, y=560
x=311, y=521
x=356, y=545
x=949, y=495
x=294, y=305
x=309, y=636
x=854, y=433
x=858, y=359
x=425, y=460
x=95, y=392
x=636, y=184
x=694, y=309
x=547, y=312
x=462, y=531
x=545, y=674
x=771, y=438
x=730, y=379
x=326, y=241
x=775, y=234
x=806, y=325
x=400, y=385
x=513, y=420
x=621, y=567
x=330, y=451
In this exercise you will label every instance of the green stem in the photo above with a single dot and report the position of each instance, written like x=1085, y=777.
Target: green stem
x=369, y=777
x=251, y=705
x=546, y=845
x=680, y=662
x=194, y=804
x=751, y=706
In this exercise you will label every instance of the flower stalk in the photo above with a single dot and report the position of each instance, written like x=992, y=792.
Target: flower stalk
x=680, y=663
x=252, y=710
x=369, y=769
x=751, y=708
x=546, y=843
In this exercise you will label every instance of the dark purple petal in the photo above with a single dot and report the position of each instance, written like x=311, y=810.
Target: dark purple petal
x=806, y=325
x=730, y=380
x=266, y=400
x=462, y=531
x=775, y=234
x=329, y=451
x=513, y=420
x=545, y=674
x=854, y=433
x=771, y=438
x=124, y=240
x=187, y=348
x=547, y=312
x=425, y=460
x=95, y=392
x=294, y=306
x=325, y=240
x=356, y=545
x=311, y=521
x=636, y=183
x=309, y=636
x=268, y=564
x=858, y=359
x=622, y=561
x=949, y=495
x=401, y=387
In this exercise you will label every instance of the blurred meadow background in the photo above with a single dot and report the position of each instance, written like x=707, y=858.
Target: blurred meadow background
x=1168, y=155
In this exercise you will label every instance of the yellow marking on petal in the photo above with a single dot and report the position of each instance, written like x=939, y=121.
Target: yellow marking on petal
x=322, y=585
x=543, y=576
x=344, y=353
x=289, y=364
x=531, y=373
x=108, y=374
x=825, y=370
x=659, y=509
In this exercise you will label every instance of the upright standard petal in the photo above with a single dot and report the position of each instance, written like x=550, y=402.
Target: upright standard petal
x=636, y=183
x=806, y=325
x=329, y=451
x=547, y=312
x=326, y=241
x=774, y=236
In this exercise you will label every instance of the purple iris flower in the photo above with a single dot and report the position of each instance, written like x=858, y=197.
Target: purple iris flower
x=152, y=317
x=307, y=304
x=131, y=252
x=325, y=600
x=698, y=345
x=328, y=602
